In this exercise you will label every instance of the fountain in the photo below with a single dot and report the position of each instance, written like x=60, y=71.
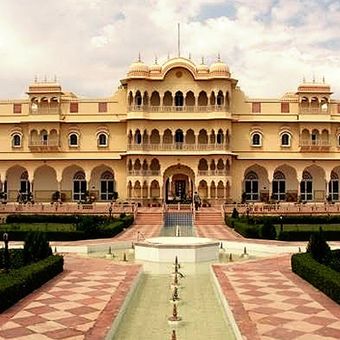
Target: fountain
x=189, y=249
x=230, y=257
x=245, y=255
x=174, y=319
x=124, y=257
x=109, y=253
x=177, y=232
x=175, y=283
x=132, y=249
x=175, y=299
x=173, y=335
x=221, y=250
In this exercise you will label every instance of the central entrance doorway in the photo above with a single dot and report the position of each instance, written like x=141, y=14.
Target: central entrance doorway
x=179, y=184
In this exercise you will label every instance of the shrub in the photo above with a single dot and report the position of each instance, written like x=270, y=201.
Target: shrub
x=241, y=226
x=318, y=247
x=20, y=282
x=320, y=276
x=235, y=213
x=16, y=257
x=304, y=235
x=36, y=247
x=334, y=261
x=268, y=231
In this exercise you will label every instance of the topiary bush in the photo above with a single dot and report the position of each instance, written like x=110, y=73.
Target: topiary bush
x=36, y=247
x=268, y=231
x=318, y=247
x=235, y=213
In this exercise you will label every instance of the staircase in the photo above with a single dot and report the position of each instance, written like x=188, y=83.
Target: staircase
x=208, y=217
x=149, y=218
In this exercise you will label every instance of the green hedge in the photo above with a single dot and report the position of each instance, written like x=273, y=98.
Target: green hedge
x=16, y=258
x=242, y=227
x=20, y=282
x=89, y=227
x=301, y=235
x=18, y=218
x=296, y=219
x=320, y=276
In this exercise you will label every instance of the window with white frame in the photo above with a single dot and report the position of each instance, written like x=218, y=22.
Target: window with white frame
x=16, y=140
x=256, y=139
x=73, y=140
x=102, y=139
x=285, y=139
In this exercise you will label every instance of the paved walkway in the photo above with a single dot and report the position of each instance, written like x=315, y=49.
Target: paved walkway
x=220, y=232
x=270, y=302
x=80, y=303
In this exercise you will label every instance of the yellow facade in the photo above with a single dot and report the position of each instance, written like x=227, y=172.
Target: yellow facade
x=168, y=131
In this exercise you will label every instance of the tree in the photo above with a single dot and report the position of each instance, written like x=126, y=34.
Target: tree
x=318, y=247
x=268, y=230
x=36, y=247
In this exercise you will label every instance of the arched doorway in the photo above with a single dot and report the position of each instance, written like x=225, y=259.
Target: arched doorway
x=178, y=184
x=79, y=186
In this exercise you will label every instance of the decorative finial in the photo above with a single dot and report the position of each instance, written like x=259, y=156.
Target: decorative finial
x=55, y=78
x=189, y=56
x=139, y=57
x=45, y=78
x=156, y=60
x=35, y=78
x=179, y=39
x=218, y=57
x=323, y=79
x=303, y=79
x=202, y=63
x=168, y=55
x=313, y=77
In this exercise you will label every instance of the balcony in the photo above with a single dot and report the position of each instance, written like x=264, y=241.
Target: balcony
x=45, y=111
x=308, y=145
x=314, y=110
x=178, y=147
x=144, y=173
x=149, y=108
x=205, y=173
x=44, y=146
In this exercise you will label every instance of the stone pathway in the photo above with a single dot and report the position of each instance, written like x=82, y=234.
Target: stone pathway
x=220, y=232
x=270, y=302
x=80, y=303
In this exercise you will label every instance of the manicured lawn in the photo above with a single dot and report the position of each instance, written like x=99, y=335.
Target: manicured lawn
x=37, y=227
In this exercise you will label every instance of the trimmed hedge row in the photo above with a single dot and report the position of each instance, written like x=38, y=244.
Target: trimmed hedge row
x=243, y=228
x=16, y=258
x=296, y=219
x=88, y=227
x=300, y=235
x=18, y=218
x=20, y=282
x=320, y=276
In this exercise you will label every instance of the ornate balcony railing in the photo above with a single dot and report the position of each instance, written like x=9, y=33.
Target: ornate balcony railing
x=177, y=147
x=213, y=172
x=49, y=145
x=46, y=111
x=206, y=108
x=144, y=173
x=314, y=110
x=314, y=145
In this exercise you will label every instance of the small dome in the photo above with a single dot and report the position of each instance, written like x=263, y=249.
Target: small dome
x=138, y=69
x=202, y=68
x=155, y=68
x=219, y=68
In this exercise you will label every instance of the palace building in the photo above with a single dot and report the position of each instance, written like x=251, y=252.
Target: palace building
x=168, y=131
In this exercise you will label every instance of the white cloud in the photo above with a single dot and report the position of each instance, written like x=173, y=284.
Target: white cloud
x=89, y=44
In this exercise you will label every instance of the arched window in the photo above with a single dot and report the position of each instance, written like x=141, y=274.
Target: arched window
x=220, y=137
x=79, y=186
x=138, y=137
x=220, y=98
x=73, y=140
x=179, y=99
x=102, y=139
x=256, y=139
x=306, y=187
x=138, y=98
x=25, y=186
x=279, y=186
x=16, y=141
x=339, y=140
x=251, y=186
x=285, y=139
x=179, y=138
x=107, y=186
x=333, y=187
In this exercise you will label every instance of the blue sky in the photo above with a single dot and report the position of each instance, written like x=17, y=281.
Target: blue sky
x=89, y=44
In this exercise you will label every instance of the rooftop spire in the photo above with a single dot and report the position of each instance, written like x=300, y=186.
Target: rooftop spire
x=218, y=57
x=179, y=39
x=156, y=60
x=139, y=57
x=323, y=79
x=189, y=56
x=202, y=61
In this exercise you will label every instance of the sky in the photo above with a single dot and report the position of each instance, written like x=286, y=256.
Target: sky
x=269, y=45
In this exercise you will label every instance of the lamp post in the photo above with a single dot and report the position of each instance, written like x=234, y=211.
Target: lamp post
x=6, y=254
x=281, y=224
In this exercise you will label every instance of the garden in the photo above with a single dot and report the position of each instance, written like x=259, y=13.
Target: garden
x=320, y=266
x=24, y=270
x=65, y=227
x=284, y=228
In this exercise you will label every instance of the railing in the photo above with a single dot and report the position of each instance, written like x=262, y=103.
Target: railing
x=44, y=143
x=144, y=173
x=313, y=110
x=46, y=110
x=176, y=147
x=187, y=108
x=213, y=173
x=314, y=145
x=69, y=208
